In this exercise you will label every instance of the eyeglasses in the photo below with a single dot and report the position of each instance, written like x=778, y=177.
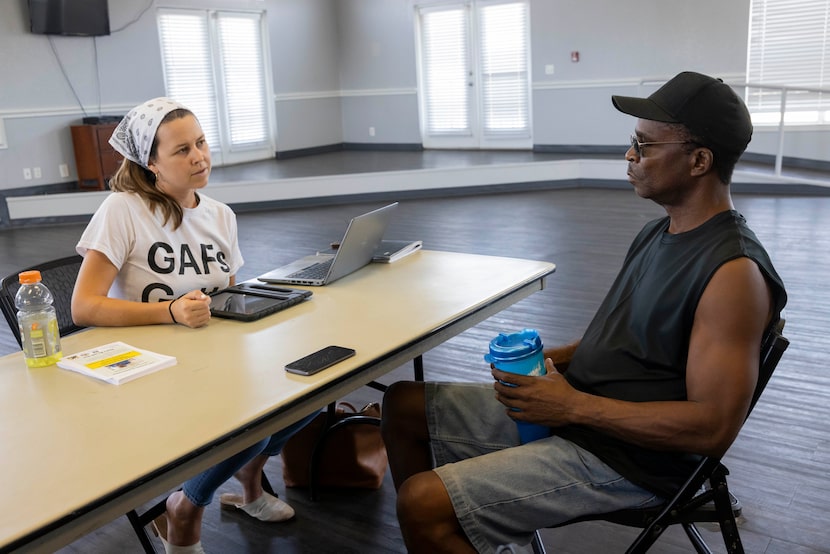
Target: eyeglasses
x=638, y=146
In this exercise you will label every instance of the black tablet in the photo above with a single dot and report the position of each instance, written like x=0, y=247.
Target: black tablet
x=249, y=302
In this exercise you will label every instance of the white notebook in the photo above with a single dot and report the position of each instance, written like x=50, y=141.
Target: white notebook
x=393, y=250
x=116, y=362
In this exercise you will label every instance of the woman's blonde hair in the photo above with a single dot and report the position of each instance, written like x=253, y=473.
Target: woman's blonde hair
x=131, y=177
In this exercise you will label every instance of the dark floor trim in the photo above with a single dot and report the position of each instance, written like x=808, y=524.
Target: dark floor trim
x=584, y=149
x=605, y=150
x=786, y=161
x=55, y=188
x=350, y=146
x=391, y=196
x=5, y=218
x=44, y=221
x=301, y=152
x=789, y=189
x=387, y=147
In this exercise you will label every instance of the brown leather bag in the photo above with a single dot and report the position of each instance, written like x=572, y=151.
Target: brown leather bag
x=352, y=456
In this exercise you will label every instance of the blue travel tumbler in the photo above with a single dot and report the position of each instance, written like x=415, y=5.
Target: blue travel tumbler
x=520, y=353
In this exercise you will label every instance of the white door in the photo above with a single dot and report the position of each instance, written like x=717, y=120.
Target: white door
x=474, y=77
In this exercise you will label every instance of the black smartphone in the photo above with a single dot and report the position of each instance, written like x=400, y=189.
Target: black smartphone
x=317, y=361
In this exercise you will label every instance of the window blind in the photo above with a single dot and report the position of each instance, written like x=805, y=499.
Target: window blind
x=214, y=64
x=446, y=70
x=188, y=72
x=789, y=45
x=240, y=47
x=503, y=32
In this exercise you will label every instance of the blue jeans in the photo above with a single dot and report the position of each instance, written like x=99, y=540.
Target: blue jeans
x=200, y=489
x=502, y=491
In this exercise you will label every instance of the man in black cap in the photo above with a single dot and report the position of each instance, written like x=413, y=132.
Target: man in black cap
x=663, y=374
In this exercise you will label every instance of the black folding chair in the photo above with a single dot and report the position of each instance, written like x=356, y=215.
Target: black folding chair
x=704, y=497
x=59, y=276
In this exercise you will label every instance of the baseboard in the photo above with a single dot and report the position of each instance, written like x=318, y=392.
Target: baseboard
x=786, y=161
x=301, y=152
x=386, y=147
x=581, y=149
x=400, y=196
x=349, y=146
x=35, y=190
x=751, y=157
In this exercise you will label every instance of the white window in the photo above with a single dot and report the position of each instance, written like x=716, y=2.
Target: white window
x=789, y=47
x=214, y=63
x=474, y=77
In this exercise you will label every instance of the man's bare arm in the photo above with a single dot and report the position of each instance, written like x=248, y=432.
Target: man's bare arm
x=561, y=355
x=721, y=373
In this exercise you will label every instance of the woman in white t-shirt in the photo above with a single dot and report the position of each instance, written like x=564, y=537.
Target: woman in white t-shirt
x=153, y=252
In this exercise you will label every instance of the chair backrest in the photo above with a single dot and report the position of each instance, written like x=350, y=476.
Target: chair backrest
x=689, y=504
x=772, y=348
x=59, y=276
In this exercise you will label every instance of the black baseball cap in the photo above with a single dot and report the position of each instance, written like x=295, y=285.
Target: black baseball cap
x=708, y=107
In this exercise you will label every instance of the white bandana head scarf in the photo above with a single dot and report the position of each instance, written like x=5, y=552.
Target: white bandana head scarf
x=134, y=135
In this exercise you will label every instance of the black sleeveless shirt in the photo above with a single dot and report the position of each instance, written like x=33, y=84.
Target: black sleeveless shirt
x=635, y=348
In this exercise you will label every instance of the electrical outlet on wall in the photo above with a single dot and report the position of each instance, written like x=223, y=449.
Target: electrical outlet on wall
x=27, y=173
x=64, y=170
x=37, y=173
x=371, y=131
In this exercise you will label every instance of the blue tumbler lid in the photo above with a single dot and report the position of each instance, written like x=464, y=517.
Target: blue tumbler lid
x=512, y=346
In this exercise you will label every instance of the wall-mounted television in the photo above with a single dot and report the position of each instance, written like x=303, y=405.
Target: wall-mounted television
x=87, y=18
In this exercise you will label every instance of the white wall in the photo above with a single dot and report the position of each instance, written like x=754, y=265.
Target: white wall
x=342, y=66
x=304, y=42
x=377, y=71
x=619, y=44
x=37, y=103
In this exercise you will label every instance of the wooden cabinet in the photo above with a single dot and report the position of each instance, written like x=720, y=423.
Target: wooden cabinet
x=95, y=159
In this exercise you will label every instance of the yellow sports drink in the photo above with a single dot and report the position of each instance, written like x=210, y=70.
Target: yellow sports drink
x=37, y=321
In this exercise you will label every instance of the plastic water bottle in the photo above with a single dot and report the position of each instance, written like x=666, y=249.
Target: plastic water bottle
x=38, y=321
x=520, y=353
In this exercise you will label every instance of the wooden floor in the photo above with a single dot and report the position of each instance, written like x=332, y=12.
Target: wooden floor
x=780, y=464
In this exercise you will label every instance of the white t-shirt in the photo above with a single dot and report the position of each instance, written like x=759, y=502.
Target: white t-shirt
x=156, y=263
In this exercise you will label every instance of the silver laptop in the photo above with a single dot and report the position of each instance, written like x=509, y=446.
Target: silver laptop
x=362, y=237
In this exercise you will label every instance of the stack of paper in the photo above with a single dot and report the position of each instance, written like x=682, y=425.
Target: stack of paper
x=393, y=250
x=116, y=362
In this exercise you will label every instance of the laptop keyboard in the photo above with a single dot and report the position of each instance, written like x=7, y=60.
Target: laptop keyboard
x=316, y=271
